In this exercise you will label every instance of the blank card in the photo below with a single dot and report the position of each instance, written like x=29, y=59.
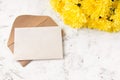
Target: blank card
x=38, y=43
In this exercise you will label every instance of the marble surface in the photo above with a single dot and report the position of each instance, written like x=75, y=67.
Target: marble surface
x=88, y=54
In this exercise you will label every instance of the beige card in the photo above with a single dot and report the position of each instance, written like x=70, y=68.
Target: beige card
x=38, y=43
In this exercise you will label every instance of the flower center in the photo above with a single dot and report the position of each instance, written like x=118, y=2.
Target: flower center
x=78, y=4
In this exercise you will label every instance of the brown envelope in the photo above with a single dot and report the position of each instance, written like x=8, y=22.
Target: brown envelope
x=28, y=21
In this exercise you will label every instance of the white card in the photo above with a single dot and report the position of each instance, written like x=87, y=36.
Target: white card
x=38, y=43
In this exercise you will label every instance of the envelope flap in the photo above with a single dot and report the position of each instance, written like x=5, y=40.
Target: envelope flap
x=33, y=21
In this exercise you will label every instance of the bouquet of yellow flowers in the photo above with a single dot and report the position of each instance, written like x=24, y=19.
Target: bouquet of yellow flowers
x=95, y=14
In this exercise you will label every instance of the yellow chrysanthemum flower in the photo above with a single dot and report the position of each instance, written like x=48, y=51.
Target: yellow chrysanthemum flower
x=57, y=5
x=96, y=14
x=76, y=19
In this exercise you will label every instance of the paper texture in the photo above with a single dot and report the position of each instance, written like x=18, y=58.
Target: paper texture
x=38, y=43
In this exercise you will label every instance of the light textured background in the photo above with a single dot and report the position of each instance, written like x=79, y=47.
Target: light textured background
x=88, y=54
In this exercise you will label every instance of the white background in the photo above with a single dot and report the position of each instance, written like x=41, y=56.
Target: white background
x=88, y=54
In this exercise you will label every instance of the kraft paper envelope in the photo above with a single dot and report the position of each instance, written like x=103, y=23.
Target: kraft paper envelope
x=38, y=43
x=28, y=21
